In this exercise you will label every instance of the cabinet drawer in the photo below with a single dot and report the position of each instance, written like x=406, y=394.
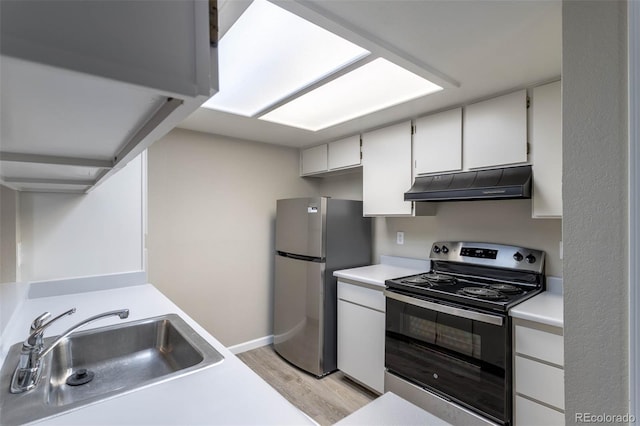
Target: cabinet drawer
x=361, y=295
x=539, y=344
x=528, y=413
x=540, y=381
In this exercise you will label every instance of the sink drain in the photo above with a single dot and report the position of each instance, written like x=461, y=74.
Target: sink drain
x=80, y=377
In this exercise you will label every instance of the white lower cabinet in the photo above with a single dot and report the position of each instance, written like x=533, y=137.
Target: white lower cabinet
x=361, y=323
x=530, y=413
x=538, y=374
x=542, y=382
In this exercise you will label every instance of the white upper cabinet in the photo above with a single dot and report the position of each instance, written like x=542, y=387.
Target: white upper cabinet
x=335, y=156
x=88, y=85
x=344, y=153
x=495, y=131
x=546, y=150
x=313, y=160
x=386, y=171
x=437, y=142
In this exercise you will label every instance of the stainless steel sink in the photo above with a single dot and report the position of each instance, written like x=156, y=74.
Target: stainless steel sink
x=117, y=360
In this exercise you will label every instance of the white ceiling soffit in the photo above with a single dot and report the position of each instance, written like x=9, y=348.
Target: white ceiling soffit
x=474, y=49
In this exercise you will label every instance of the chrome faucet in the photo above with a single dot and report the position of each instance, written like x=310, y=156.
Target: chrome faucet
x=29, y=366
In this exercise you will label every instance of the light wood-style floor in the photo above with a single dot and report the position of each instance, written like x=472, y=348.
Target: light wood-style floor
x=325, y=400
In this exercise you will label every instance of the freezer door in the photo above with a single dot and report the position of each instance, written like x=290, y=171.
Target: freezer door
x=298, y=317
x=300, y=225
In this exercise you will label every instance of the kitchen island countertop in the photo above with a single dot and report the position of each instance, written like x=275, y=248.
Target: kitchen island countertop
x=227, y=393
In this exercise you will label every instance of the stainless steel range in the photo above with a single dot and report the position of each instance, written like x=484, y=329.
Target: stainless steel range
x=448, y=330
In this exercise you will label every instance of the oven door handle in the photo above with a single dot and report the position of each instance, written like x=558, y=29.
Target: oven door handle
x=458, y=312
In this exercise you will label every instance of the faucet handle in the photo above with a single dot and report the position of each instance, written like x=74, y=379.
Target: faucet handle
x=37, y=323
x=35, y=338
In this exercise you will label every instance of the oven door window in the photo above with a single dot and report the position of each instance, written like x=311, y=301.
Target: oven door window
x=459, y=358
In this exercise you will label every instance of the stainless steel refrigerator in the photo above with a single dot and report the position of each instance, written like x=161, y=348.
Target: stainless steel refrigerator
x=314, y=238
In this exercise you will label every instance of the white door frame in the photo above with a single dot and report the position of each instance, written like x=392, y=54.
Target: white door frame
x=633, y=19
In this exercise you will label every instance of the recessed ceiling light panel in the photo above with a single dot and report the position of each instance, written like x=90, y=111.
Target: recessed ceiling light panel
x=270, y=53
x=377, y=85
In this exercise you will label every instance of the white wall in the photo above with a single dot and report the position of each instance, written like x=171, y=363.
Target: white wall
x=212, y=204
x=595, y=146
x=70, y=235
x=506, y=222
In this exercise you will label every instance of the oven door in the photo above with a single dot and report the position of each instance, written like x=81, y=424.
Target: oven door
x=460, y=354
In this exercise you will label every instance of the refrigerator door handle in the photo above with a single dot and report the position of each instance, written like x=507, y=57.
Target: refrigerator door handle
x=301, y=257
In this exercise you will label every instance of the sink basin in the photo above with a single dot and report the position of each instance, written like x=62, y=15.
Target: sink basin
x=117, y=359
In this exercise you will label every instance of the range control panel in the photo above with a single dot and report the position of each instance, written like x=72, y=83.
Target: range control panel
x=489, y=254
x=478, y=252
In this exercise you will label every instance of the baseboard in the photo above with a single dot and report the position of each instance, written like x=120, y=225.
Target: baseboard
x=251, y=344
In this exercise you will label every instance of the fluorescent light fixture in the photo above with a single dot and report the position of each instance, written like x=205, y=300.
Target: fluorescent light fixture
x=270, y=53
x=377, y=85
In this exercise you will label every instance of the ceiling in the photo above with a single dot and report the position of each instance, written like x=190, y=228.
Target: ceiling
x=482, y=47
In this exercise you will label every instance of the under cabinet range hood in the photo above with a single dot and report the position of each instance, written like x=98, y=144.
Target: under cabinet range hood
x=490, y=184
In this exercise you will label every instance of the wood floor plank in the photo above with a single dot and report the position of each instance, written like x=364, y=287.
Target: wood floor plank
x=325, y=400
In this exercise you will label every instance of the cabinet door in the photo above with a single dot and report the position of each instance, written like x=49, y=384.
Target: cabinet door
x=539, y=381
x=546, y=150
x=386, y=171
x=528, y=413
x=437, y=142
x=361, y=344
x=344, y=153
x=313, y=160
x=539, y=344
x=495, y=131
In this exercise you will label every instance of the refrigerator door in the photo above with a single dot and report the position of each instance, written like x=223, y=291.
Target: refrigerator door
x=300, y=225
x=298, y=320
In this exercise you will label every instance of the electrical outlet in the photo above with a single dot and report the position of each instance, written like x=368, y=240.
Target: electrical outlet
x=400, y=238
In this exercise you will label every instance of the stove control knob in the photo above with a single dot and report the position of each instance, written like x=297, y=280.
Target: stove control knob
x=445, y=249
x=518, y=257
x=436, y=249
x=530, y=258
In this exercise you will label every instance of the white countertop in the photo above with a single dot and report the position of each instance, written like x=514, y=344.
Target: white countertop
x=227, y=393
x=390, y=409
x=545, y=308
x=376, y=275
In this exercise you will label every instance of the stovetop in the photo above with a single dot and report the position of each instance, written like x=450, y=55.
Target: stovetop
x=469, y=291
x=483, y=275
